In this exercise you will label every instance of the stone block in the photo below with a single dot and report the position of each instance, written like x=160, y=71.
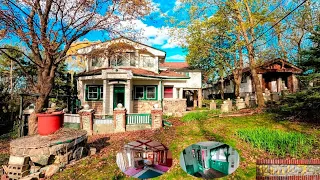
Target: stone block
x=51, y=170
x=19, y=160
x=213, y=105
x=92, y=151
x=34, y=169
x=225, y=106
x=40, y=159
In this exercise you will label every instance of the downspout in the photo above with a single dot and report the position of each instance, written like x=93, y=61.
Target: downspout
x=161, y=93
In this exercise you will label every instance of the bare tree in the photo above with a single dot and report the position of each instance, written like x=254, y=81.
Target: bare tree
x=48, y=28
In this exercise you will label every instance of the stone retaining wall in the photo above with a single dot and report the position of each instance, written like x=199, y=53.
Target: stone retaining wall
x=288, y=169
x=143, y=106
x=138, y=127
x=174, y=107
x=103, y=128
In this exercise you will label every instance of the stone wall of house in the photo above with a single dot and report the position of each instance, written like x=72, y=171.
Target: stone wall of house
x=96, y=105
x=140, y=106
x=174, y=107
x=295, y=169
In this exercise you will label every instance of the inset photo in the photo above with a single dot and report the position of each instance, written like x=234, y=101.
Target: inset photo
x=144, y=159
x=209, y=160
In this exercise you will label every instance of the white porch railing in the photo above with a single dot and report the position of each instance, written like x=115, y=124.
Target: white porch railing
x=71, y=118
x=133, y=119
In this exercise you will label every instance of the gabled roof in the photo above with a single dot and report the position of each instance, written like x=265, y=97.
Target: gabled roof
x=174, y=65
x=167, y=74
x=124, y=39
x=267, y=66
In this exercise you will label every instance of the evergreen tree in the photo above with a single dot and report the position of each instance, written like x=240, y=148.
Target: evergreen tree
x=311, y=57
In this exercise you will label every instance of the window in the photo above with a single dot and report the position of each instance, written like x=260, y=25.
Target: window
x=244, y=79
x=151, y=92
x=145, y=92
x=168, y=92
x=147, y=61
x=139, y=92
x=97, y=62
x=94, y=93
x=122, y=59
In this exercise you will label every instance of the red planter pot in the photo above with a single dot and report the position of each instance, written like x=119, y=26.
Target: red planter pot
x=49, y=123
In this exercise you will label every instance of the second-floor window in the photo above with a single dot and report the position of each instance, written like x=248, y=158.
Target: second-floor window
x=123, y=59
x=96, y=62
x=147, y=61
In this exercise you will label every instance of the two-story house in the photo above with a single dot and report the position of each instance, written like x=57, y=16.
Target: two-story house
x=135, y=75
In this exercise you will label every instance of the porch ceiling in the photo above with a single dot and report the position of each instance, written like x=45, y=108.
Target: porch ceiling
x=144, y=145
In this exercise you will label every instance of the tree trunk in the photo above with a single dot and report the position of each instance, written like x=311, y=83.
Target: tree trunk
x=44, y=86
x=237, y=87
x=222, y=88
x=256, y=80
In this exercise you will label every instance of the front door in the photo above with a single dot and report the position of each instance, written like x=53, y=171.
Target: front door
x=118, y=96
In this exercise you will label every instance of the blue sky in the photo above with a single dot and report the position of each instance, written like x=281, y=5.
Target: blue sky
x=155, y=30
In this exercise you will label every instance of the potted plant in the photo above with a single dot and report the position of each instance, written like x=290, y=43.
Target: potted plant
x=50, y=120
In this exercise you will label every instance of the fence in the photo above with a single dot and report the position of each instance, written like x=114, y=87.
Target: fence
x=133, y=119
x=71, y=121
x=102, y=119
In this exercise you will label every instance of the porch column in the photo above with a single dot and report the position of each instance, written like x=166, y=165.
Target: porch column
x=195, y=102
x=181, y=93
x=104, y=103
x=111, y=87
x=127, y=96
x=295, y=83
x=200, y=98
x=279, y=84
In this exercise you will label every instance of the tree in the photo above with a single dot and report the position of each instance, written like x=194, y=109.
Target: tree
x=48, y=28
x=311, y=57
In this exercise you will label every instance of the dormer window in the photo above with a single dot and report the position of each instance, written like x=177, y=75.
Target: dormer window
x=96, y=62
x=147, y=61
x=123, y=59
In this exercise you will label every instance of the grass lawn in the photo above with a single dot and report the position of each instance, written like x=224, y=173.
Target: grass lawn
x=181, y=135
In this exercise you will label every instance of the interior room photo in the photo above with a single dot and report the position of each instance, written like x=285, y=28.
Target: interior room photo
x=144, y=159
x=209, y=159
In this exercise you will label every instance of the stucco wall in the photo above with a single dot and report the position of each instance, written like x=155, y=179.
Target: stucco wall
x=195, y=80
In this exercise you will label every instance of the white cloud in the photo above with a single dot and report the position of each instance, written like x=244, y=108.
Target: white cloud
x=177, y=57
x=151, y=35
x=177, y=5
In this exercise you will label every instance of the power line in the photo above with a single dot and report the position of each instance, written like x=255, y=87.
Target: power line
x=278, y=22
x=268, y=14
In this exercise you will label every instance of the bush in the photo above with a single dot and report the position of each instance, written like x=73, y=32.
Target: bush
x=278, y=142
x=199, y=115
x=303, y=105
x=195, y=116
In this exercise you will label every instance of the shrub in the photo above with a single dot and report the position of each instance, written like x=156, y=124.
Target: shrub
x=278, y=142
x=303, y=105
x=198, y=115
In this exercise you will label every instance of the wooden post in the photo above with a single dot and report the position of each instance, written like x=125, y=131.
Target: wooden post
x=195, y=104
x=200, y=98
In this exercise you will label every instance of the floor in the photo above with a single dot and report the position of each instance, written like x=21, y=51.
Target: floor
x=211, y=173
x=149, y=169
